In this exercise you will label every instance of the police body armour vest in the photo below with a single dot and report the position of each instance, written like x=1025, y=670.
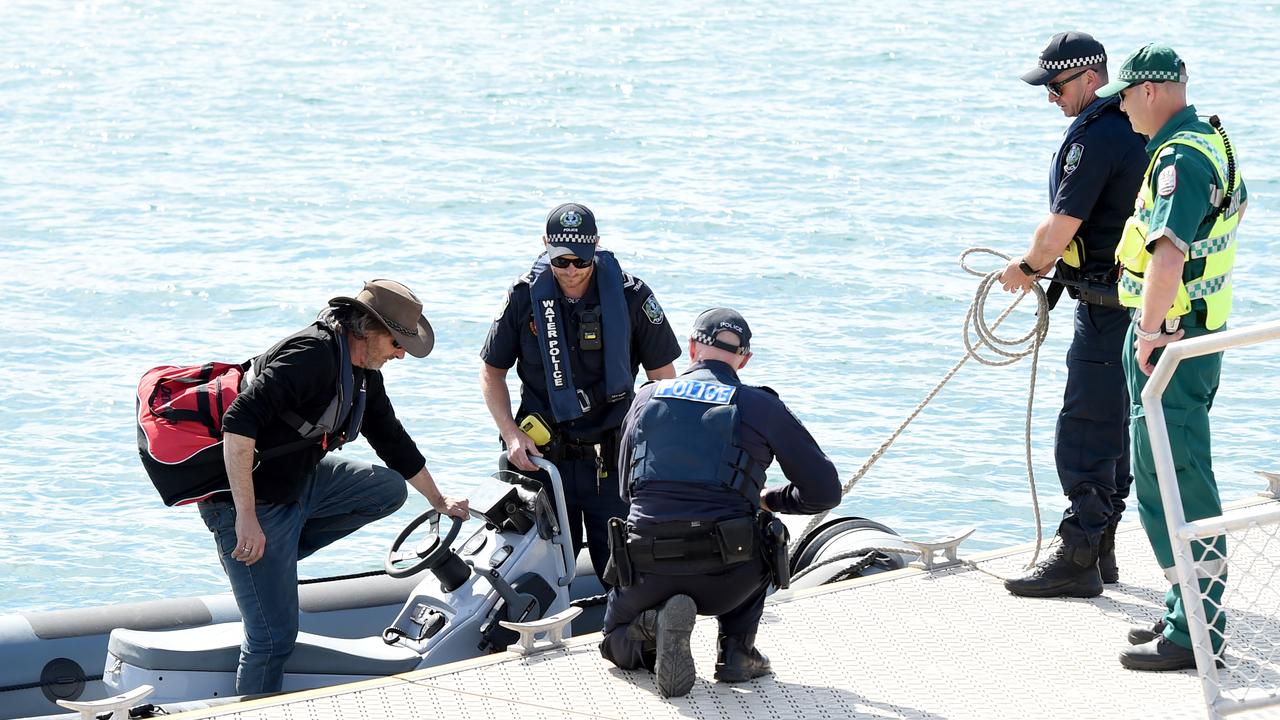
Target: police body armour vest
x=689, y=431
x=1212, y=285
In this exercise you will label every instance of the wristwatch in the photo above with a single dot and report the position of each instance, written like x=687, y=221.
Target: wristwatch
x=1143, y=334
x=1027, y=269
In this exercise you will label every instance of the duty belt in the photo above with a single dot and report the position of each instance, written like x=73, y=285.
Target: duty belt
x=570, y=450
x=693, y=547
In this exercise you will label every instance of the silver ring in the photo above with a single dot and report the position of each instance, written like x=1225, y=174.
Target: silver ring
x=245, y=548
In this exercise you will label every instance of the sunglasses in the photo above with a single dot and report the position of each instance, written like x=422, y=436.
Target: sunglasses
x=565, y=261
x=1055, y=88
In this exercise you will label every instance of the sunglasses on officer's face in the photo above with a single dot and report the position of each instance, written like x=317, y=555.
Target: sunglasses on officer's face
x=1055, y=88
x=565, y=261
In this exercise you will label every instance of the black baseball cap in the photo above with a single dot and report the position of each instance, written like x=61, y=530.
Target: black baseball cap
x=1065, y=50
x=571, y=230
x=716, y=320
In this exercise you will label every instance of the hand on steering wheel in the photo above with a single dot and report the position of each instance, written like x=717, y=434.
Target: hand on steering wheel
x=429, y=553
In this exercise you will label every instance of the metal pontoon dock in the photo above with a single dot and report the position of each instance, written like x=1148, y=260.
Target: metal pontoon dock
x=949, y=644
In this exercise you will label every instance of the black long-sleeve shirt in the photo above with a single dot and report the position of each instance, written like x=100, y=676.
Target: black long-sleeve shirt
x=769, y=430
x=303, y=377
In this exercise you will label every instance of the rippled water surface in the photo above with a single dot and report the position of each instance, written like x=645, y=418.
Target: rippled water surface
x=191, y=181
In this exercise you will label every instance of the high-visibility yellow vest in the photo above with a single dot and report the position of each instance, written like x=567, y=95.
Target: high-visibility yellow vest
x=1218, y=248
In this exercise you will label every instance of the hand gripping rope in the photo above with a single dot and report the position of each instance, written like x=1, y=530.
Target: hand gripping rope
x=979, y=336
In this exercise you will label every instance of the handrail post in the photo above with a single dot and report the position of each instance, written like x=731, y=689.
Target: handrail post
x=1170, y=494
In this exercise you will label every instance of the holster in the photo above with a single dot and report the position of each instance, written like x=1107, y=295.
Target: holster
x=775, y=538
x=1098, y=287
x=618, y=570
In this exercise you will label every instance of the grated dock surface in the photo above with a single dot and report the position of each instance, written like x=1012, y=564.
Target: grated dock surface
x=950, y=645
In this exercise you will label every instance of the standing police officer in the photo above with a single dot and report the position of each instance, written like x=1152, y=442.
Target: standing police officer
x=1177, y=253
x=1092, y=181
x=577, y=328
x=694, y=453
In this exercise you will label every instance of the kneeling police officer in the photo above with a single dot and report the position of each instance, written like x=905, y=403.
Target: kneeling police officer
x=700, y=537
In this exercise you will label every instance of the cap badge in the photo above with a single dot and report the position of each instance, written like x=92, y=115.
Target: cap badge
x=570, y=219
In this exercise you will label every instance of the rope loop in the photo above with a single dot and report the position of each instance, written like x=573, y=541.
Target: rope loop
x=979, y=337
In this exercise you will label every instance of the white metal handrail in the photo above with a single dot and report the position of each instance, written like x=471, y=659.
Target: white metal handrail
x=1182, y=533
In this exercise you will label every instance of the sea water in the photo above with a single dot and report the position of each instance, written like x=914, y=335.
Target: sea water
x=190, y=181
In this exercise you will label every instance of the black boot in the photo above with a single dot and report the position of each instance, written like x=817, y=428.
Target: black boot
x=1067, y=572
x=1107, y=555
x=1142, y=634
x=1159, y=654
x=738, y=660
x=673, y=660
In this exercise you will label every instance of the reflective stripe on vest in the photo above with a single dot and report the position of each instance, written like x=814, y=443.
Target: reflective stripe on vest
x=1218, y=249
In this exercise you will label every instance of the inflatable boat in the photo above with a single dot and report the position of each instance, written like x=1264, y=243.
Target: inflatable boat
x=444, y=592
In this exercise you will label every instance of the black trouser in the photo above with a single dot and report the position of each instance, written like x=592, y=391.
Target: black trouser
x=735, y=596
x=1092, y=443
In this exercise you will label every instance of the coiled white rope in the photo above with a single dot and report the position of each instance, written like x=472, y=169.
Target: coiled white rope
x=978, y=335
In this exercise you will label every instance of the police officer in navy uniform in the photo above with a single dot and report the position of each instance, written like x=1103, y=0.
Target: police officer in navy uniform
x=577, y=329
x=694, y=454
x=1092, y=183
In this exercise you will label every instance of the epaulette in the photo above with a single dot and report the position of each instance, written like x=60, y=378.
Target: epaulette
x=765, y=388
x=631, y=282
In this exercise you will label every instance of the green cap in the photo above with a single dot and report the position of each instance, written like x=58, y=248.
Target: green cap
x=1152, y=62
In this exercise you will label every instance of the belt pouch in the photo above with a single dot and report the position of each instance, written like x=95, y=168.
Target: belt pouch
x=736, y=539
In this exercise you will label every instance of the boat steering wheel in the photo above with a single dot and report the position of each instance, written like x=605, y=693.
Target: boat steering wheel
x=429, y=553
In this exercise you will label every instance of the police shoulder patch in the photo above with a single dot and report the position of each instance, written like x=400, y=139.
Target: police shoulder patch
x=653, y=310
x=1072, y=160
x=1167, y=182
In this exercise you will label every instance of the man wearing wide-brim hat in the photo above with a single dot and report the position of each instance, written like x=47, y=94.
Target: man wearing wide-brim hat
x=1092, y=181
x=309, y=394
x=1177, y=255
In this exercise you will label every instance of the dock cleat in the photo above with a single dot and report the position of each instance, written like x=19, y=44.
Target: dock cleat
x=1067, y=572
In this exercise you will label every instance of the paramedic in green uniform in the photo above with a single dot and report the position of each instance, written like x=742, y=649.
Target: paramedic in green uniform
x=1177, y=252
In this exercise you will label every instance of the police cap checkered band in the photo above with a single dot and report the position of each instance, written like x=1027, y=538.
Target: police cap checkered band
x=1060, y=65
x=1153, y=75
x=571, y=230
x=586, y=239
x=716, y=320
x=1066, y=50
x=1150, y=63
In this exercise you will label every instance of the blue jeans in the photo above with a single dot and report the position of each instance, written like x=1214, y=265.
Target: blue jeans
x=338, y=498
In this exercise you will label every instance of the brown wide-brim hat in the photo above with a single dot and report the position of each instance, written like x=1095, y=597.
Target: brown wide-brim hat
x=399, y=310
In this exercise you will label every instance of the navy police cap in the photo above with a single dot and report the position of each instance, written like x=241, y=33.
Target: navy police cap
x=571, y=230
x=1066, y=50
x=712, y=322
